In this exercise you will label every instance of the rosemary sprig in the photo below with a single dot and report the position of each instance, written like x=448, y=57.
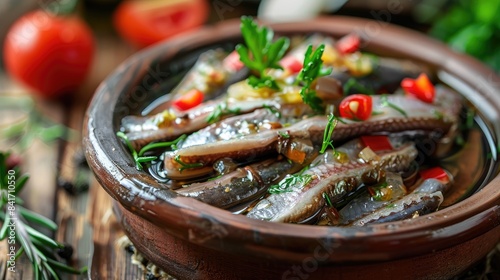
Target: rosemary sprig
x=185, y=166
x=33, y=126
x=327, y=135
x=260, y=52
x=40, y=249
x=139, y=157
x=312, y=69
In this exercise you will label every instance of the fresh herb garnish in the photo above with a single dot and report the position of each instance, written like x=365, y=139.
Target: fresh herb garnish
x=40, y=249
x=386, y=103
x=184, y=165
x=290, y=182
x=327, y=200
x=353, y=83
x=260, y=52
x=327, y=135
x=139, y=157
x=273, y=110
x=284, y=134
x=220, y=111
x=312, y=69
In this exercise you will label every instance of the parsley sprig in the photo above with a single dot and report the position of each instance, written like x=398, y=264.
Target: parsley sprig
x=139, y=157
x=40, y=249
x=260, y=52
x=312, y=69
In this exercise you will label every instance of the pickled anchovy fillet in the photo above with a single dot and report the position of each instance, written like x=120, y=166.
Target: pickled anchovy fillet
x=436, y=119
x=410, y=206
x=426, y=198
x=255, y=122
x=365, y=204
x=334, y=179
x=240, y=185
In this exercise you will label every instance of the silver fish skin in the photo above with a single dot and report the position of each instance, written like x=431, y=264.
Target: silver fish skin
x=334, y=179
x=365, y=204
x=421, y=117
x=426, y=198
x=241, y=185
x=250, y=123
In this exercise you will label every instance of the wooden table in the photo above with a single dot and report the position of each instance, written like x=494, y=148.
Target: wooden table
x=85, y=219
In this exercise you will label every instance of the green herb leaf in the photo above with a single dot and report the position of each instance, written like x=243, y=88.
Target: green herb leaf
x=386, y=103
x=273, y=110
x=290, y=182
x=185, y=166
x=220, y=111
x=327, y=135
x=260, y=52
x=139, y=158
x=352, y=83
x=327, y=199
x=312, y=70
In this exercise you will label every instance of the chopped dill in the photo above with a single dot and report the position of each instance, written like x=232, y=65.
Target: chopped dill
x=386, y=103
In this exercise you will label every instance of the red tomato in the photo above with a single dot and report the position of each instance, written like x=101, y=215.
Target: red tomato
x=52, y=54
x=348, y=44
x=356, y=107
x=144, y=22
x=422, y=88
x=189, y=100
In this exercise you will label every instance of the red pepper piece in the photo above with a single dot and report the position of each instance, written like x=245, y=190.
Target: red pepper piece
x=189, y=100
x=377, y=142
x=233, y=62
x=291, y=64
x=437, y=173
x=356, y=107
x=422, y=88
x=348, y=44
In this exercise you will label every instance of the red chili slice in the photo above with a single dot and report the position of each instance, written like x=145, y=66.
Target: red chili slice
x=437, y=173
x=348, y=44
x=356, y=107
x=422, y=88
x=189, y=100
x=377, y=142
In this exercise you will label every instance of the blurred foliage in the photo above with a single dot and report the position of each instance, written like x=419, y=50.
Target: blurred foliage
x=472, y=27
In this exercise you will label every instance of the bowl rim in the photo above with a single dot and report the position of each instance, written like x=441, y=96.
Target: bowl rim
x=208, y=226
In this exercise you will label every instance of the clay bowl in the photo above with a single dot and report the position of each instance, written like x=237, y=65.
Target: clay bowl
x=192, y=240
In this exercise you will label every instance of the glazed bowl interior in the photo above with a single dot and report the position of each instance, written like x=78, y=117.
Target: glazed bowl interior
x=150, y=73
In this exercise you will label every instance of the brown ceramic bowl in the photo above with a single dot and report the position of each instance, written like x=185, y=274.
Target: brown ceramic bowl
x=192, y=240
